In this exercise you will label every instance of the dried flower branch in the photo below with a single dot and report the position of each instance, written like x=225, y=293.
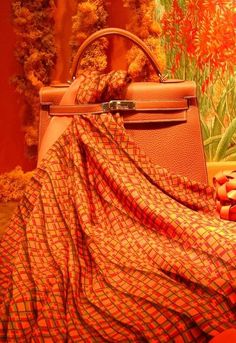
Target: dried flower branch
x=90, y=17
x=144, y=25
x=12, y=184
x=35, y=51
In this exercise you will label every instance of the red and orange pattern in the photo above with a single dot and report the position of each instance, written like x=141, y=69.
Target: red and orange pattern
x=107, y=247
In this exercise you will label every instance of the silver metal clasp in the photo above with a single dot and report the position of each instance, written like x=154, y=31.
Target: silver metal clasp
x=118, y=105
x=71, y=81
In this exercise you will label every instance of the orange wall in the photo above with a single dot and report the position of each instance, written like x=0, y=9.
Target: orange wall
x=11, y=136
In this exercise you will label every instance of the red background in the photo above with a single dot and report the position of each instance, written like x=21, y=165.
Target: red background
x=12, y=147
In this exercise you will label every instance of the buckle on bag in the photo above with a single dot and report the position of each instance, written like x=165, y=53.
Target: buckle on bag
x=118, y=105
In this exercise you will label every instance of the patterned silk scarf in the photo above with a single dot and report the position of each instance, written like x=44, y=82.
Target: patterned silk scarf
x=105, y=246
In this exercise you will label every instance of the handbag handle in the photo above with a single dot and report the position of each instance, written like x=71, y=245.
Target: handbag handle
x=120, y=32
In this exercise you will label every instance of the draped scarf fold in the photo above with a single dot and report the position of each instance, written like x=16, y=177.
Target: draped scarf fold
x=105, y=246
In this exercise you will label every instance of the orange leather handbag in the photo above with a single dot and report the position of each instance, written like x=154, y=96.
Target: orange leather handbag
x=162, y=117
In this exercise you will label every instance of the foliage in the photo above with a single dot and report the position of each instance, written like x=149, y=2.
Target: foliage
x=12, y=184
x=90, y=16
x=144, y=24
x=200, y=40
x=35, y=51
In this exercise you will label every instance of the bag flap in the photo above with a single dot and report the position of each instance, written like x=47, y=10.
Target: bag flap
x=52, y=94
x=135, y=91
x=171, y=89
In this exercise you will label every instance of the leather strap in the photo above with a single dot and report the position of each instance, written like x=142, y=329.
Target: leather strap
x=225, y=185
x=120, y=32
x=132, y=111
x=119, y=105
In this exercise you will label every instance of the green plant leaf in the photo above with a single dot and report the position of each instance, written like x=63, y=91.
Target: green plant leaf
x=230, y=151
x=218, y=120
x=225, y=140
x=205, y=136
x=205, y=130
x=218, y=124
x=211, y=140
x=231, y=157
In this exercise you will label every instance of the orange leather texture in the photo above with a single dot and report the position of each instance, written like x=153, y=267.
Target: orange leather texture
x=125, y=105
x=174, y=145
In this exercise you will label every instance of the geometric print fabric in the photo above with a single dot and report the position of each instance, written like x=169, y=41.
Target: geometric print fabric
x=105, y=246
